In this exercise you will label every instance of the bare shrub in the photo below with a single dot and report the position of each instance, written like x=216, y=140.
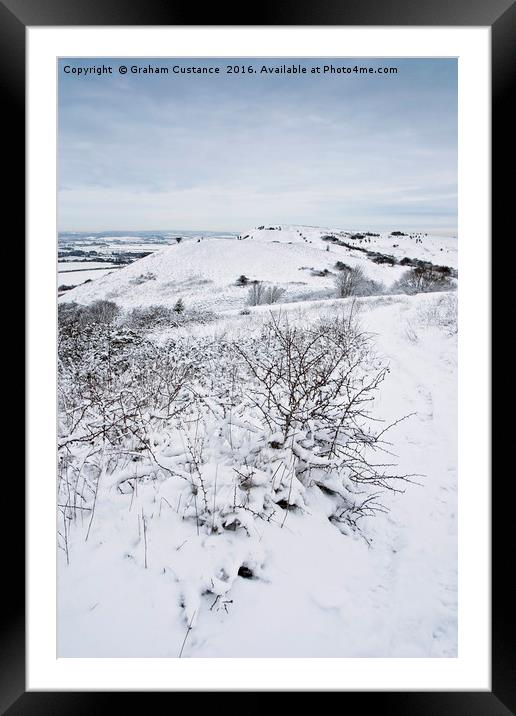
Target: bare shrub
x=143, y=278
x=97, y=312
x=101, y=311
x=115, y=391
x=424, y=280
x=179, y=306
x=353, y=282
x=312, y=389
x=67, y=312
x=255, y=294
x=279, y=413
x=259, y=294
x=348, y=281
x=147, y=316
x=441, y=313
x=273, y=294
x=156, y=316
x=371, y=288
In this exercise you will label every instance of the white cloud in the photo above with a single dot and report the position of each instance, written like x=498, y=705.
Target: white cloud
x=221, y=156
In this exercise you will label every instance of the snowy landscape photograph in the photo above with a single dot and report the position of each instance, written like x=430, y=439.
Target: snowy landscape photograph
x=257, y=278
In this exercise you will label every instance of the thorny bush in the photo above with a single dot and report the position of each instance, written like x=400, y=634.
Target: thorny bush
x=284, y=411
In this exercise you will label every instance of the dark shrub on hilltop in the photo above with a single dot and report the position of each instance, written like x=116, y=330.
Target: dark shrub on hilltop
x=382, y=258
x=341, y=266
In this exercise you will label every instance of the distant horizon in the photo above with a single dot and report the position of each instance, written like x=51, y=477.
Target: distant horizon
x=211, y=150
x=446, y=231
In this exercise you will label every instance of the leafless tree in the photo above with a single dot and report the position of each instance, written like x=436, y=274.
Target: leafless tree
x=348, y=281
x=255, y=294
x=273, y=294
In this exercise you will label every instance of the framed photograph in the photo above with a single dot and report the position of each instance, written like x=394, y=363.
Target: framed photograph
x=258, y=356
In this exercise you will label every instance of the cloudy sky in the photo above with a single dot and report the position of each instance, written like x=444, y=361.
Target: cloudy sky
x=225, y=152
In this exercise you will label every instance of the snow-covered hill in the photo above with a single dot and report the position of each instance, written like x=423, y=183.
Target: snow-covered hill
x=302, y=260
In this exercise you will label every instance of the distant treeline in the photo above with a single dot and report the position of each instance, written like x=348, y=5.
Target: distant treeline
x=126, y=257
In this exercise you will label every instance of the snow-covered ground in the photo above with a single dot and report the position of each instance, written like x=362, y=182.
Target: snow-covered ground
x=73, y=273
x=203, y=273
x=146, y=582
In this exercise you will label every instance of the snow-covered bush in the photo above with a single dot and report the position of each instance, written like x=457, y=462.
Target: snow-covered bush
x=100, y=311
x=179, y=306
x=259, y=294
x=145, y=316
x=143, y=278
x=424, y=280
x=441, y=313
x=310, y=391
x=353, y=282
x=348, y=281
x=158, y=316
x=273, y=294
x=255, y=293
x=225, y=431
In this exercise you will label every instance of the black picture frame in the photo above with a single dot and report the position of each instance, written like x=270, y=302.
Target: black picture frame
x=500, y=16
